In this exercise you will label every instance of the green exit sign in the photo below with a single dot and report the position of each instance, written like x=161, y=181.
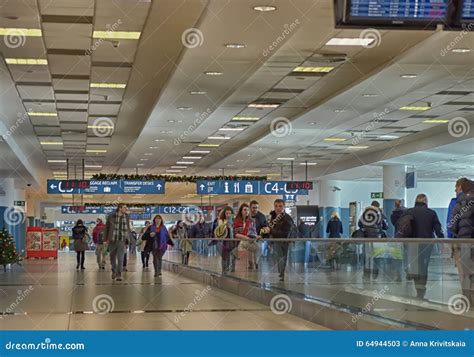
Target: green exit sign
x=376, y=195
x=19, y=203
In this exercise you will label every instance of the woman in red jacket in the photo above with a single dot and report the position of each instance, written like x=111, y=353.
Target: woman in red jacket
x=244, y=228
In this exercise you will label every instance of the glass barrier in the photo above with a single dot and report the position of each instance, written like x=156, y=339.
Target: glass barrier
x=424, y=283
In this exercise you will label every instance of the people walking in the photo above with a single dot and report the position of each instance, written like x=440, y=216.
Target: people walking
x=225, y=231
x=145, y=255
x=79, y=234
x=244, y=229
x=334, y=226
x=181, y=234
x=259, y=222
x=158, y=239
x=459, y=193
x=280, y=226
x=117, y=229
x=100, y=246
x=397, y=212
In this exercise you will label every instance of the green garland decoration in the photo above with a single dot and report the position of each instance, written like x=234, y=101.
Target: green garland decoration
x=169, y=178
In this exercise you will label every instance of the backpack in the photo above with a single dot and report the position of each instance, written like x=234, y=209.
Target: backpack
x=405, y=226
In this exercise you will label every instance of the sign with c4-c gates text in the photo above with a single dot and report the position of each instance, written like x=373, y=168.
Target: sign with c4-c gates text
x=100, y=187
x=242, y=187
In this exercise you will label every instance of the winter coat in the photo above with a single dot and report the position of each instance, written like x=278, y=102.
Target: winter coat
x=449, y=216
x=334, y=228
x=280, y=225
x=79, y=234
x=462, y=220
x=426, y=222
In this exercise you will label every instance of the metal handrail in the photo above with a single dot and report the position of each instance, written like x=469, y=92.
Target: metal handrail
x=354, y=240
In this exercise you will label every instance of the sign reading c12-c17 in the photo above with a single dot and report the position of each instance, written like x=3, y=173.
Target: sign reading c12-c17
x=101, y=187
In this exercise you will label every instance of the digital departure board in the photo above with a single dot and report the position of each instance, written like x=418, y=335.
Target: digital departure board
x=398, y=10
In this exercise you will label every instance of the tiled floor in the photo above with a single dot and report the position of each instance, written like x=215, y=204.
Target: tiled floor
x=48, y=294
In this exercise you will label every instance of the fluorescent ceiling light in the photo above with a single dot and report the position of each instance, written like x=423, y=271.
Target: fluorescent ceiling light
x=117, y=35
x=335, y=139
x=263, y=105
x=461, y=50
x=62, y=173
x=93, y=166
x=308, y=163
x=199, y=152
x=56, y=161
x=42, y=114
x=184, y=162
x=313, y=69
x=388, y=137
x=408, y=76
x=143, y=159
x=148, y=154
x=369, y=95
x=264, y=8
x=246, y=118
x=285, y=158
x=100, y=127
x=273, y=174
x=173, y=170
x=179, y=167
x=253, y=171
x=153, y=147
x=339, y=111
x=109, y=85
x=20, y=32
x=158, y=140
x=415, y=108
x=196, y=92
x=208, y=145
x=357, y=41
x=235, y=45
x=192, y=157
x=26, y=61
x=219, y=137
x=213, y=73
x=95, y=150
x=231, y=129
x=435, y=121
x=184, y=108
x=140, y=164
x=51, y=142
x=357, y=147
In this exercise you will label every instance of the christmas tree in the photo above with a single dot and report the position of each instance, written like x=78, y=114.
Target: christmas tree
x=8, y=254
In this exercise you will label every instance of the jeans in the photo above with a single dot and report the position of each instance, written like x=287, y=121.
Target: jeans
x=99, y=251
x=117, y=253
x=158, y=260
x=145, y=258
x=80, y=256
x=281, y=252
x=226, y=261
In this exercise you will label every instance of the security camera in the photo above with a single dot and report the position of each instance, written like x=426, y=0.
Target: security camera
x=116, y=44
x=28, y=184
x=335, y=188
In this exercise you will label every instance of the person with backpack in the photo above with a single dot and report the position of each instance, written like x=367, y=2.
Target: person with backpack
x=79, y=234
x=100, y=247
x=462, y=227
x=419, y=222
x=280, y=225
x=158, y=239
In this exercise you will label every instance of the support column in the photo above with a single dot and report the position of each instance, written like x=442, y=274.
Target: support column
x=12, y=217
x=328, y=197
x=394, y=187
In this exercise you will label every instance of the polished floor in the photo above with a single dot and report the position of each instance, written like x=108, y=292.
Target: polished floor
x=51, y=294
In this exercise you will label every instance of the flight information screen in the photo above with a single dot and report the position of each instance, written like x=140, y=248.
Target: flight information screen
x=467, y=10
x=398, y=10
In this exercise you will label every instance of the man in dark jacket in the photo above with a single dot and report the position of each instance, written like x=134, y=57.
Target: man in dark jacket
x=397, y=212
x=459, y=193
x=462, y=226
x=260, y=221
x=280, y=226
x=201, y=229
x=426, y=224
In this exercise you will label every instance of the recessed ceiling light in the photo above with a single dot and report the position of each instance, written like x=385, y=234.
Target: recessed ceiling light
x=51, y=142
x=273, y=174
x=229, y=165
x=148, y=154
x=184, y=162
x=313, y=123
x=117, y=35
x=213, y=73
x=192, y=157
x=108, y=85
x=369, y=95
x=154, y=147
x=263, y=105
x=179, y=167
x=56, y=161
x=173, y=170
x=335, y=139
x=20, y=32
x=357, y=41
x=388, y=137
x=435, y=121
x=285, y=158
x=59, y=173
x=231, y=129
x=166, y=132
x=143, y=159
x=253, y=171
x=195, y=92
x=26, y=61
x=42, y=114
x=408, y=76
x=184, y=108
x=140, y=164
x=159, y=140
x=312, y=69
x=415, y=108
x=235, y=45
x=174, y=121
x=357, y=147
x=246, y=118
x=339, y=111
x=199, y=152
x=308, y=163
x=264, y=8
x=96, y=150
x=208, y=145
x=219, y=137
x=100, y=127
x=461, y=50
x=93, y=166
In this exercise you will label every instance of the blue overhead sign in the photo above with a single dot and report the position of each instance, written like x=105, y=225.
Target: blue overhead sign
x=117, y=187
x=145, y=211
x=242, y=187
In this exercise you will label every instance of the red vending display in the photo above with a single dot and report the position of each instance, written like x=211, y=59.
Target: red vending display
x=42, y=242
